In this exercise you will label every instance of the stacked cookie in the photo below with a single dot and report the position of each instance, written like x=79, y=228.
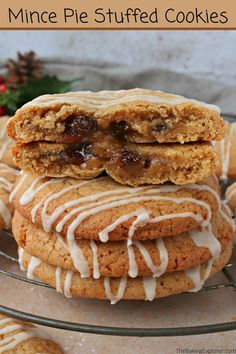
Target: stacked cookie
x=124, y=234
x=8, y=175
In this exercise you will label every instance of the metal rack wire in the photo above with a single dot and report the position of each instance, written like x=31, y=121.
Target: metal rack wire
x=230, y=282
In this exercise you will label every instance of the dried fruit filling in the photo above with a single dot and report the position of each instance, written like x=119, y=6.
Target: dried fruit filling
x=79, y=128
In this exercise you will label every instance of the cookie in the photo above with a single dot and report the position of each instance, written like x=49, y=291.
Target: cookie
x=226, y=151
x=18, y=337
x=8, y=176
x=117, y=259
x=102, y=209
x=230, y=196
x=138, y=115
x=134, y=164
x=5, y=144
x=115, y=289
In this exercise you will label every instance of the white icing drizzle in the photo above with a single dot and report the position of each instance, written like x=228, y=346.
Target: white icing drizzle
x=6, y=168
x=206, y=238
x=230, y=195
x=96, y=272
x=6, y=320
x=121, y=201
x=92, y=204
x=226, y=149
x=5, y=184
x=226, y=213
x=29, y=194
x=12, y=341
x=195, y=275
x=58, y=280
x=3, y=129
x=203, y=238
x=17, y=187
x=5, y=214
x=141, y=214
x=79, y=261
x=120, y=292
x=33, y=264
x=4, y=148
x=48, y=220
x=67, y=284
x=149, y=285
x=21, y=259
x=77, y=256
x=157, y=271
x=105, y=99
x=10, y=328
x=34, y=210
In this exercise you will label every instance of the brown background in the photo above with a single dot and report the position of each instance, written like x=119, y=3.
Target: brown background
x=89, y=6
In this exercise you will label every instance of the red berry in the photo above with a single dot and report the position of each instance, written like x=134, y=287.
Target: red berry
x=1, y=79
x=2, y=111
x=3, y=87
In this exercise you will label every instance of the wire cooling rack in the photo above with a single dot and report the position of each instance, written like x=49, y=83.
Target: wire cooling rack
x=229, y=281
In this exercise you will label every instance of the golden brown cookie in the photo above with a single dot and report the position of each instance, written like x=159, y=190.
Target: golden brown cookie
x=116, y=259
x=103, y=209
x=115, y=289
x=8, y=176
x=134, y=164
x=18, y=337
x=5, y=144
x=139, y=115
x=226, y=152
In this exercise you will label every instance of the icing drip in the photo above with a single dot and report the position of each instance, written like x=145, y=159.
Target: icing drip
x=149, y=285
x=142, y=216
x=120, y=293
x=58, y=280
x=17, y=187
x=96, y=272
x=21, y=257
x=195, y=275
x=37, y=206
x=77, y=256
x=206, y=238
x=203, y=238
x=157, y=271
x=34, y=263
x=67, y=284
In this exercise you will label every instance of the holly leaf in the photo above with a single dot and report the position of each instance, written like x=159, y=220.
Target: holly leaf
x=14, y=99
